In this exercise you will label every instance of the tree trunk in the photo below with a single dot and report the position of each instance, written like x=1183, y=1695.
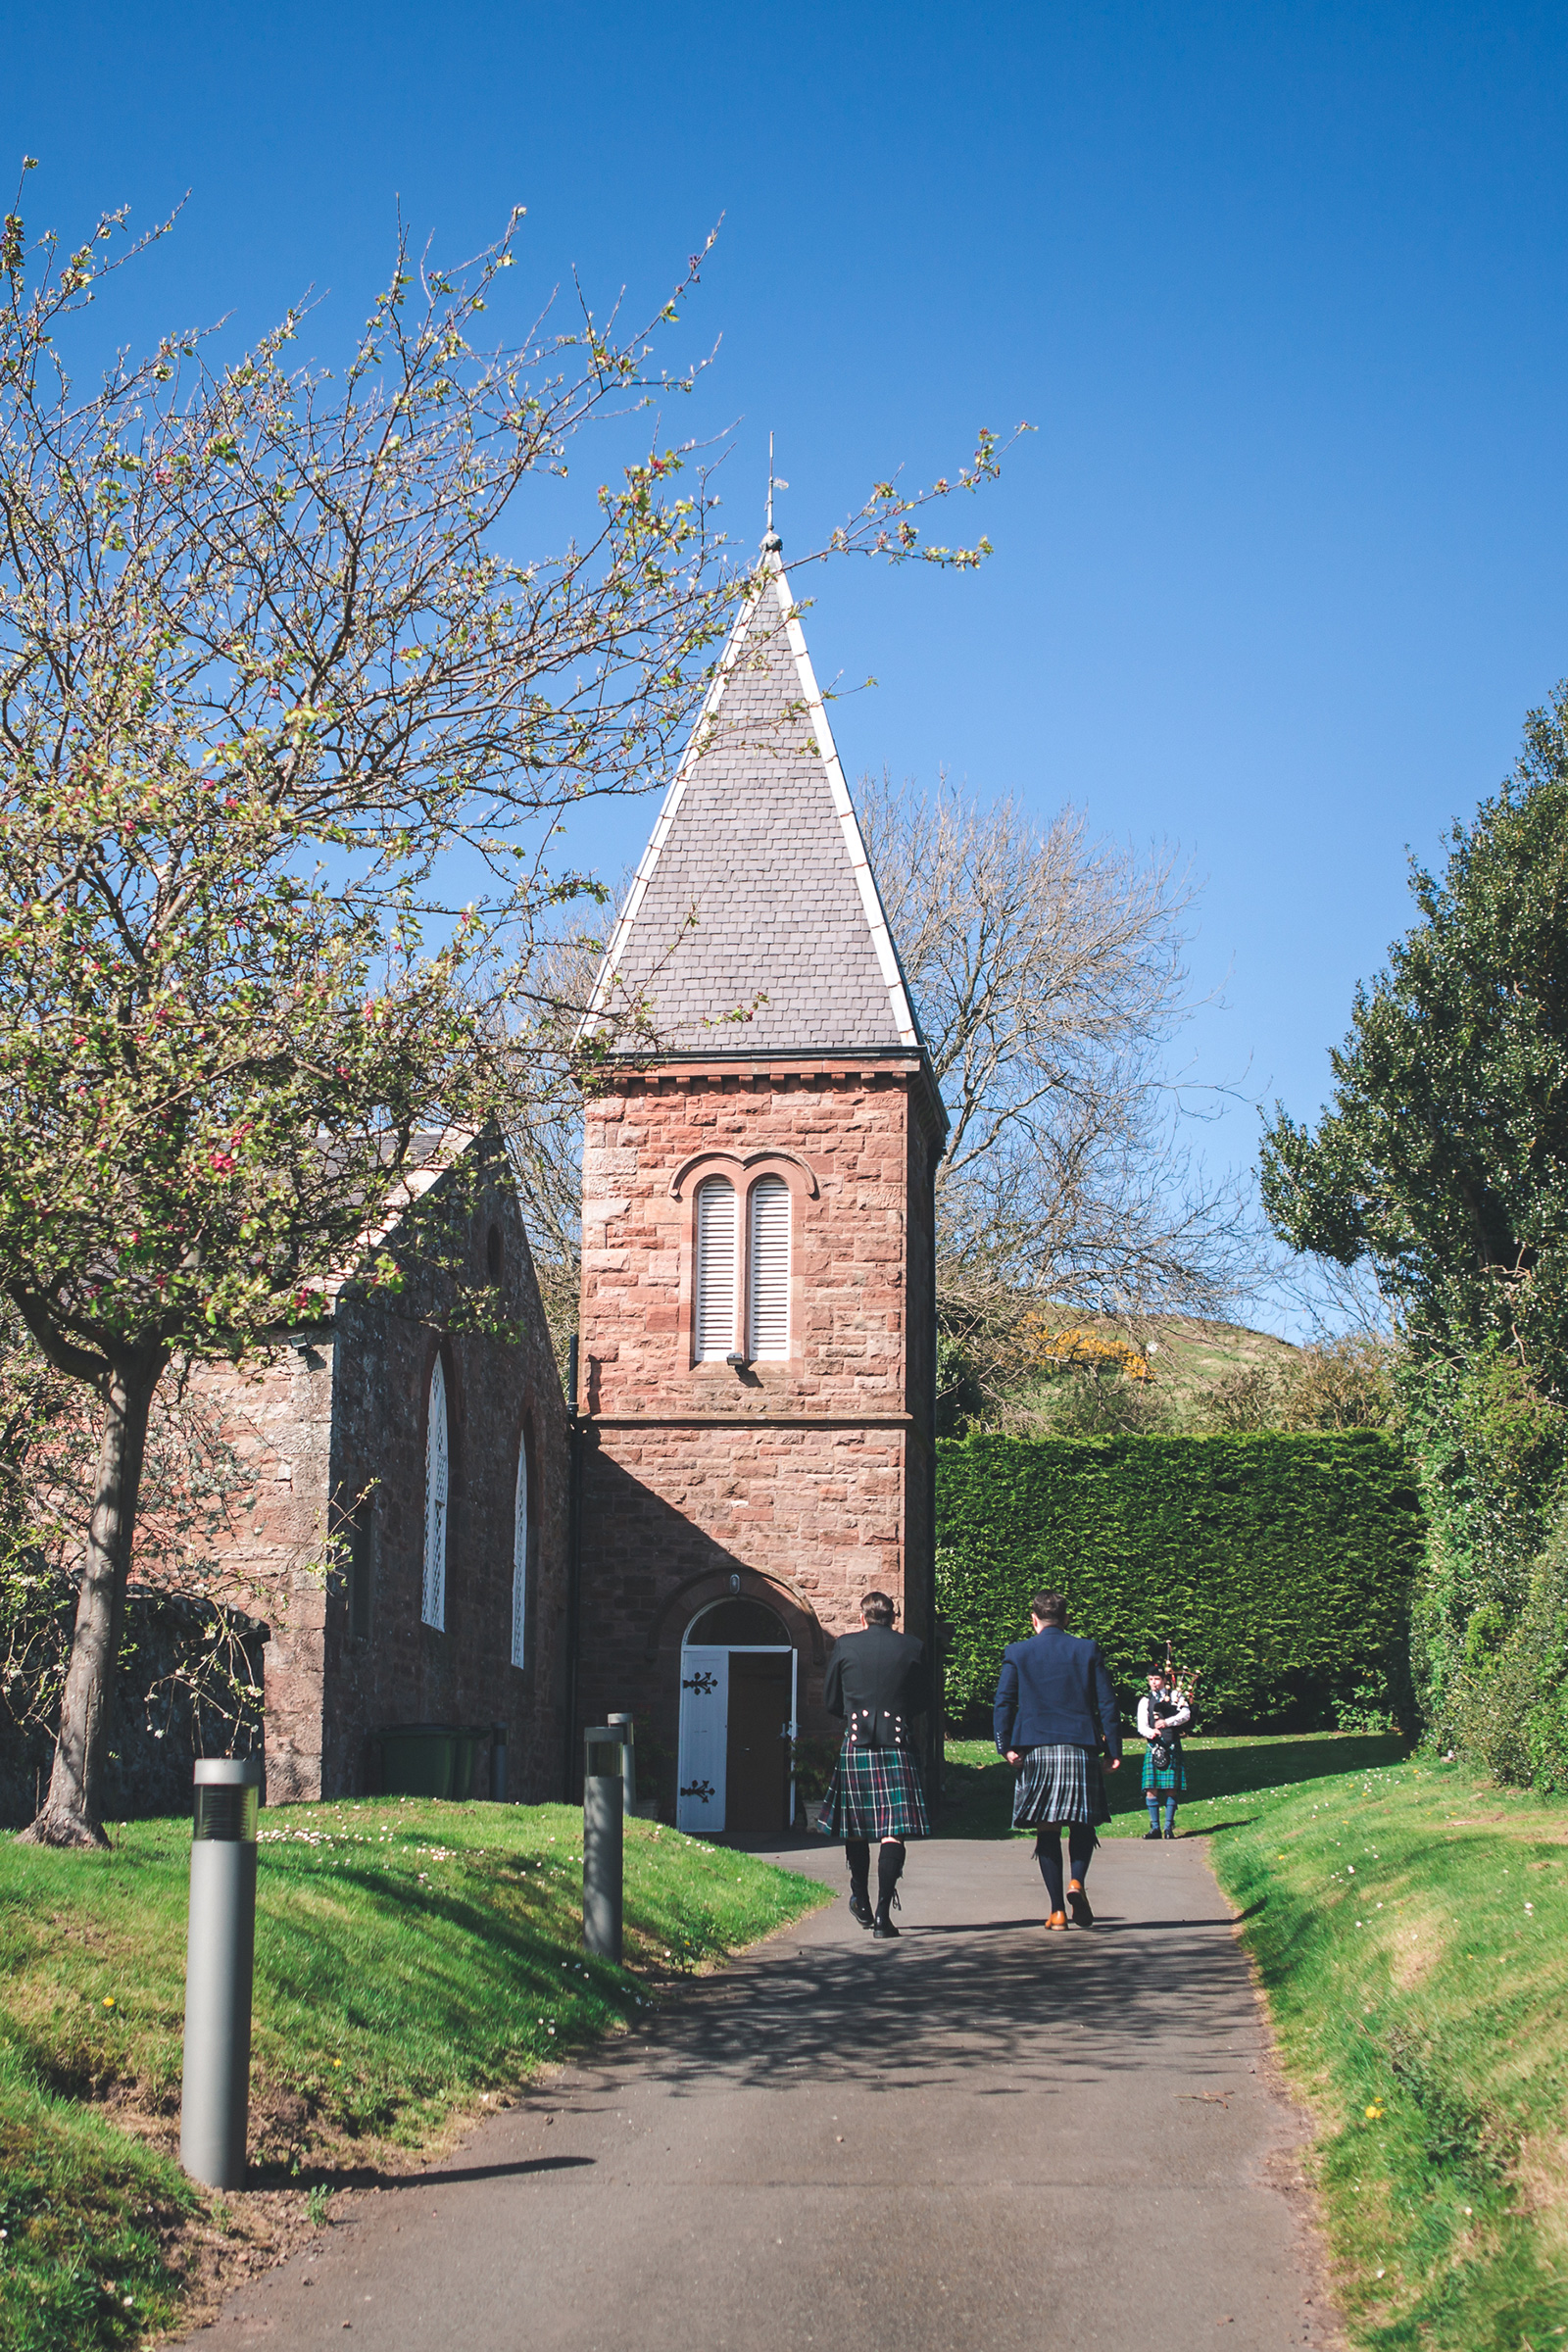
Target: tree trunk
x=69, y=1814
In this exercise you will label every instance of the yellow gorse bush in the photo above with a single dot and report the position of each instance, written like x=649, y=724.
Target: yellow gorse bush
x=1080, y=1345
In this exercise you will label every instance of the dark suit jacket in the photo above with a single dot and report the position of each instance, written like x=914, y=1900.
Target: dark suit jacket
x=1055, y=1689
x=879, y=1678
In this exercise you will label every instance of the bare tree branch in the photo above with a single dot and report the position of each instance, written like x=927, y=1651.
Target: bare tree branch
x=1049, y=973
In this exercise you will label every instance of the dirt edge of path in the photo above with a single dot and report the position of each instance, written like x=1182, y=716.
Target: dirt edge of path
x=1290, y=2171
x=267, y=2226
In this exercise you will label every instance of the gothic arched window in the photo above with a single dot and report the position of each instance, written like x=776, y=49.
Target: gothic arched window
x=519, y=1559
x=433, y=1608
x=717, y=1265
x=767, y=1269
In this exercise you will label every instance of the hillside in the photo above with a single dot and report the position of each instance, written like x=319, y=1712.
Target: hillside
x=1189, y=1353
x=1090, y=1376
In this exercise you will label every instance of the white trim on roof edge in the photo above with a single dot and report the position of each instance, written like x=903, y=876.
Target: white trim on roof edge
x=771, y=572
x=903, y=1020
x=695, y=746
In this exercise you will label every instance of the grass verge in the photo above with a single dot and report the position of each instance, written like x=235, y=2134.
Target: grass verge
x=1409, y=1924
x=414, y=1961
x=1410, y=1927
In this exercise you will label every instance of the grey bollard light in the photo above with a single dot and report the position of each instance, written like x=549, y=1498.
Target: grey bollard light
x=214, y=2104
x=603, y=1841
x=628, y=1769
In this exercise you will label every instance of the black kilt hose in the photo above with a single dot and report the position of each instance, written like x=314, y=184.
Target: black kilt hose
x=875, y=1793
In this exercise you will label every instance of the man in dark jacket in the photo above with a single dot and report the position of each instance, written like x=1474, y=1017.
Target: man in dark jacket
x=877, y=1682
x=1055, y=1710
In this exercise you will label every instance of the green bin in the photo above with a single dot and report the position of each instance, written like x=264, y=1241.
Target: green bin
x=465, y=1762
x=425, y=1759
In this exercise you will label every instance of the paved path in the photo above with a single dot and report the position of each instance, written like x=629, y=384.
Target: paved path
x=977, y=2137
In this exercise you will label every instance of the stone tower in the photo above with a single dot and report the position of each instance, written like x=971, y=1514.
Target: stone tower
x=757, y=1333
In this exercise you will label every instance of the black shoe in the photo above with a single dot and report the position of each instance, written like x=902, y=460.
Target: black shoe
x=1148, y=1834
x=884, y=1925
x=861, y=1910
x=1078, y=1906
x=1170, y=1832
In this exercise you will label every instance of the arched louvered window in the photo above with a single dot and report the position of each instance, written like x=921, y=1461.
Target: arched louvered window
x=717, y=1265
x=433, y=1608
x=519, y=1560
x=767, y=1269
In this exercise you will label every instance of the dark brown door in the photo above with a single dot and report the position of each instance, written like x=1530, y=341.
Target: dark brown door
x=756, y=1761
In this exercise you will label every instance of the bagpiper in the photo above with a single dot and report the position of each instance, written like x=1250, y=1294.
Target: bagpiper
x=878, y=1683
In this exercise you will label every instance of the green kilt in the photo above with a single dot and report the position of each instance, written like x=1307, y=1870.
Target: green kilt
x=874, y=1793
x=1172, y=1780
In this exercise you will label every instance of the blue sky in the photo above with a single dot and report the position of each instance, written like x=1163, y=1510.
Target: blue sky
x=1282, y=288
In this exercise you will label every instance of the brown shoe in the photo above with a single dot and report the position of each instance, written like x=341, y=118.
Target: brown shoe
x=1078, y=1904
x=1058, y=1919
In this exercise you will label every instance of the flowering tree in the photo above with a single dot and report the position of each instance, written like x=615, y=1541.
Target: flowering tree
x=193, y=1486
x=272, y=694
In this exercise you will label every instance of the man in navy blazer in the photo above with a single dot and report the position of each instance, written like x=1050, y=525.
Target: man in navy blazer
x=1056, y=1690
x=1055, y=1710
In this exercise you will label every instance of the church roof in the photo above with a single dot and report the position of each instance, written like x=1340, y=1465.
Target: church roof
x=754, y=926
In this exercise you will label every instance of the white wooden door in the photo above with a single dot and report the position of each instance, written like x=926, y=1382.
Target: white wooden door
x=704, y=1738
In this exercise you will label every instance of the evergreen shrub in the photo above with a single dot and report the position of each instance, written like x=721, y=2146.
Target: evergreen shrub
x=1506, y=1705
x=1279, y=1567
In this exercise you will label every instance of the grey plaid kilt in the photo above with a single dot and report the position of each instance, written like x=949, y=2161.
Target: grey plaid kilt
x=874, y=1793
x=1059, y=1785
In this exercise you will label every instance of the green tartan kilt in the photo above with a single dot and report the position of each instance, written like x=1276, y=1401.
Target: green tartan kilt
x=1172, y=1782
x=874, y=1793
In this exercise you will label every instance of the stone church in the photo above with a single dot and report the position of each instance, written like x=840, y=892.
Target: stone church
x=757, y=1331
x=439, y=1544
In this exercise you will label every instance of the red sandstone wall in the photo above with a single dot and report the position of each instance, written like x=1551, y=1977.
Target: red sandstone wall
x=809, y=1478
x=920, y=1600
x=345, y=1421
x=402, y=1670
x=848, y=1309
x=809, y=1520
x=278, y=1420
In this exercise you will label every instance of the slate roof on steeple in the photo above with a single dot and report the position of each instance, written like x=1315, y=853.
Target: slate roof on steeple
x=758, y=841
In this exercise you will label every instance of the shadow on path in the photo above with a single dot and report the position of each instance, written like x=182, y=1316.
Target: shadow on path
x=953, y=1996
x=978, y=2134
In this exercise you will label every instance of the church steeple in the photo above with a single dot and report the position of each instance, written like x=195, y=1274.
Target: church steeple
x=754, y=926
x=758, y=1327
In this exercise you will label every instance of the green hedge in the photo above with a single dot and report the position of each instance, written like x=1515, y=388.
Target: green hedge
x=1279, y=1566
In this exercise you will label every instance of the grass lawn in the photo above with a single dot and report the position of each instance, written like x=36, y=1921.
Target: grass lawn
x=1227, y=1779
x=412, y=1960
x=1410, y=1927
x=415, y=1961
x=1409, y=1924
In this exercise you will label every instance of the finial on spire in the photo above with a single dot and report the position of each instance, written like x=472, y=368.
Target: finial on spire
x=771, y=542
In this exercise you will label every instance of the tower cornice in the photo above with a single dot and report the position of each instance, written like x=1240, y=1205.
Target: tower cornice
x=765, y=1069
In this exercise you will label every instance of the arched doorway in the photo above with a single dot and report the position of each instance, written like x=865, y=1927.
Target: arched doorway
x=737, y=1720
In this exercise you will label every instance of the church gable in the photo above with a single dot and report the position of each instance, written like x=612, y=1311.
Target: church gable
x=406, y=1536
x=753, y=925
